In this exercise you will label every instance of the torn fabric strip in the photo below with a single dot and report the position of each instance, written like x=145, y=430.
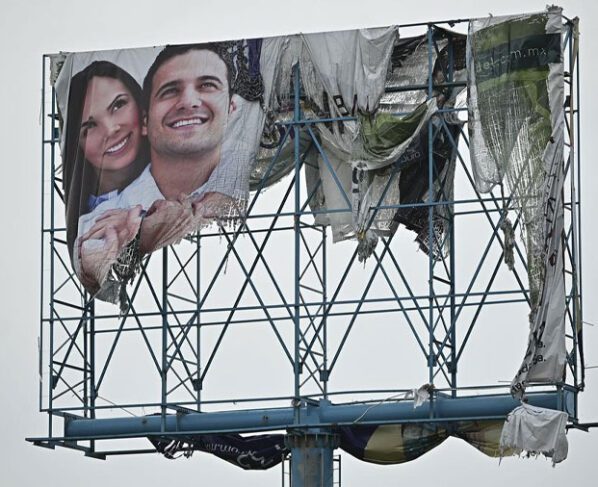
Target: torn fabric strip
x=253, y=452
x=389, y=149
x=516, y=122
x=536, y=431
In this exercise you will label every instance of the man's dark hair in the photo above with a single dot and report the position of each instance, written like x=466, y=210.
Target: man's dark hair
x=221, y=49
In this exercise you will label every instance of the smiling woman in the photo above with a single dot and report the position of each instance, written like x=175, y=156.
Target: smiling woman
x=104, y=147
x=110, y=127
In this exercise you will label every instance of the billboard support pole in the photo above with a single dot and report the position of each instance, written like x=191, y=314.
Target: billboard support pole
x=312, y=450
x=312, y=458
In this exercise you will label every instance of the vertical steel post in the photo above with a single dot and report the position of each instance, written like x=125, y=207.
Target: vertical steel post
x=164, y=370
x=579, y=255
x=92, y=367
x=297, y=235
x=453, y=304
x=86, y=316
x=312, y=458
x=311, y=451
x=451, y=211
x=431, y=242
x=324, y=379
x=571, y=155
x=578, y=156
x=574, y=238
x=43, y=233
x=198, y=384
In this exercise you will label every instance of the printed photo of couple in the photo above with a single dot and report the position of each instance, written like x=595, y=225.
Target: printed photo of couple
x=148, y=161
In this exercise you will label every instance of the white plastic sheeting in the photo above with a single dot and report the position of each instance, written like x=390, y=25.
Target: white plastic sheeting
x=535, y=431
x=351, y=65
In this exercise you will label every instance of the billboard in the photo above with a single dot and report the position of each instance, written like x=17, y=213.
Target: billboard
x=159, y=142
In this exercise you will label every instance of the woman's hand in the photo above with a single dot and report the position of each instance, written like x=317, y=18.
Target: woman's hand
x=100, y=246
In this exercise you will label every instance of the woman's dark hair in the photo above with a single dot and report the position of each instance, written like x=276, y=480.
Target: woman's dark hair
x=79, y=178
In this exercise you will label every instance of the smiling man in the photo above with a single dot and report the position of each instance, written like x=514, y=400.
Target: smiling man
x=189, y=101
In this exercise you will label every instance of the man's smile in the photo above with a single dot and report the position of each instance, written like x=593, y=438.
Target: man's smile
x=184, y=122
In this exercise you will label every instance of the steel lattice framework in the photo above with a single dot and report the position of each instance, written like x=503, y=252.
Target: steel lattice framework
x=274, y=296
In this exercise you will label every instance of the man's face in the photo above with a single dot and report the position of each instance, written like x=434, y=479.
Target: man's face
x=189, y=105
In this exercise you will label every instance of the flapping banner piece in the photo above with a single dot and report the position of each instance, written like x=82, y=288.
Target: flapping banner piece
x=253, y=452
x=516, y=121
x=535, y=431
x=387, y=444
x=382, y=158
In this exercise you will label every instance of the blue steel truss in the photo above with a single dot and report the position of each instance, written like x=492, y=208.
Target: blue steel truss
x=275, y=287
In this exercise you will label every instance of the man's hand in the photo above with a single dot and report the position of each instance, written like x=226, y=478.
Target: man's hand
x=165, y=223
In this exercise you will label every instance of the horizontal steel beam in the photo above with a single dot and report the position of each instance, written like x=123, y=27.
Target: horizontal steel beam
x=323, y=414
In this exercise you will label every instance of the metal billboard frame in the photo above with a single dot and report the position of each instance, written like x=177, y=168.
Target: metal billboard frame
x=173, y=317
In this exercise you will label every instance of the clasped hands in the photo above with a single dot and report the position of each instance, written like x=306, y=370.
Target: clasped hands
x=164, y=223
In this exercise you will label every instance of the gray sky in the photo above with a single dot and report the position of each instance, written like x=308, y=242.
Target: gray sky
x=29, y=29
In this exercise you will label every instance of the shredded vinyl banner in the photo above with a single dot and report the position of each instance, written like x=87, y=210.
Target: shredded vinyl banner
x=159, y=142
x=385, y=445
x=516, y=125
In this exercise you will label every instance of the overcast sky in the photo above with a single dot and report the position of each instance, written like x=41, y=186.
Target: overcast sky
x=29, y=29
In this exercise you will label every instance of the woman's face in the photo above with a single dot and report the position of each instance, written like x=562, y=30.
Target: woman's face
x=110, y=124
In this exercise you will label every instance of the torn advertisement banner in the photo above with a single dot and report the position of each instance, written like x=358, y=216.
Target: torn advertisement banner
x=127, y=191
x=400, y=443
x=516, y=123
x=124, y=201
x=253, y=452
